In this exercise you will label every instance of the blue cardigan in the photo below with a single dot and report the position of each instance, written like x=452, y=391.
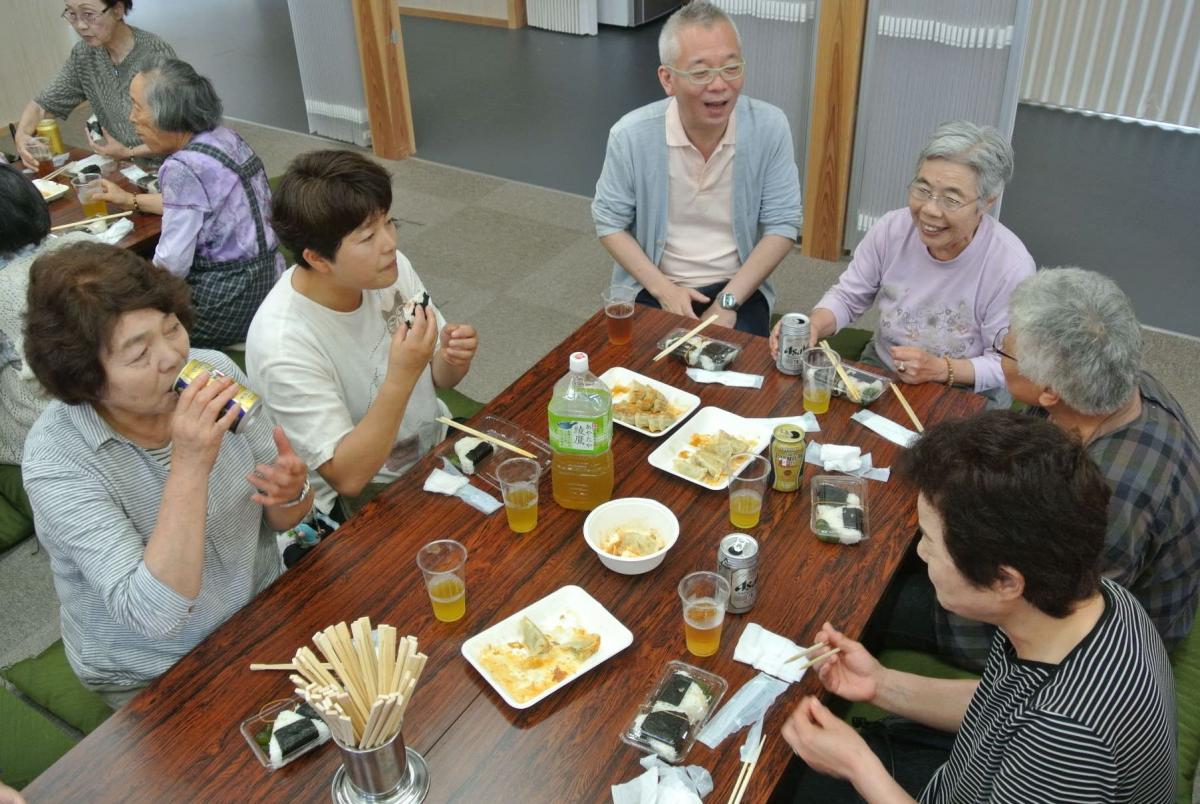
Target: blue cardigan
x=631, y=194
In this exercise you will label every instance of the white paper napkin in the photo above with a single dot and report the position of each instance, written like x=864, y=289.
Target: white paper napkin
x=806, y=420
x=819, y=454
x=112, y=235
x=734, y=379
x=897, y=434
x=664, y=784
x=768, y=652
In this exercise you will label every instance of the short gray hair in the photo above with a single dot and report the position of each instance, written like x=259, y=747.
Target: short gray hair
x=698, y=12
x=179, y=99
x=981, y=148
x=1076, y=333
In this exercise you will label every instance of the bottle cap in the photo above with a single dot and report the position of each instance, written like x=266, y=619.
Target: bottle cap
x=579, y=362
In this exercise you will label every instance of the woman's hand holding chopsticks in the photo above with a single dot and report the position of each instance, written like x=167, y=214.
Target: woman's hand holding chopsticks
x=853, y=673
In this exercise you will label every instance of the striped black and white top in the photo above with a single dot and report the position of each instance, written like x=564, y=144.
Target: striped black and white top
x=1100, y=726
x=96, y=497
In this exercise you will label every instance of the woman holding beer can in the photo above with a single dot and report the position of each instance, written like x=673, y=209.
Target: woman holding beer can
x=98, y=70
x=159, y=521
x=940, y=270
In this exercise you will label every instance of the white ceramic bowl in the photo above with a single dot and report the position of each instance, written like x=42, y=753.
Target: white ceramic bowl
x=631, y=511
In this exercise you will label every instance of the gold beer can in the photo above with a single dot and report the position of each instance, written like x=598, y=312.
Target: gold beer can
x=245, y=399
x=48, y=128
x=787, y=456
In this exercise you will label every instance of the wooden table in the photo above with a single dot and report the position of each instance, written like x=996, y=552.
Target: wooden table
x=179, y=740
x=146, y=227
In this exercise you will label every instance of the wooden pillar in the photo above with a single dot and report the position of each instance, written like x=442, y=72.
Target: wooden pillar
x=831, y=138
x=385, y=77
x=516, y=13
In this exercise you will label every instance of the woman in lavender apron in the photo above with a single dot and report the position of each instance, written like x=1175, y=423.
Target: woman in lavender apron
x=214, y=199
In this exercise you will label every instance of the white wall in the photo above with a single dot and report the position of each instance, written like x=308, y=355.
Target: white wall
x=34, y=43
x=244, y=46
x=495, y=9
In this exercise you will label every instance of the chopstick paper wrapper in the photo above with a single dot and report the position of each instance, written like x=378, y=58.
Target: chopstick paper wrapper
x=663, y=782
x=806, y=420
x=451, y=482
x=896, y=433
x=838, y=458
x=748, y=705
x=734, y=379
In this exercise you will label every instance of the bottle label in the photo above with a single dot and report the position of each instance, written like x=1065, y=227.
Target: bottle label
x=581, y=435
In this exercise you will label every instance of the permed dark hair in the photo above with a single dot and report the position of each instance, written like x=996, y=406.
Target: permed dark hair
x=24, y=216
x=324, y=196
x=1015, y=491
x=76, y=295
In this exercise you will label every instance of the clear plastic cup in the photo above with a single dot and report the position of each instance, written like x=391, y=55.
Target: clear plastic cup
x=519, y=486
x=39, y=149
x=87, y=186
x=619, y=307
x=444, y=565
x=747, y=488
x=819, y=373
x=705, y=596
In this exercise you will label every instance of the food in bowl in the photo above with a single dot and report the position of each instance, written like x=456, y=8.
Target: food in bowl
x=627, y=514
x=632, y=542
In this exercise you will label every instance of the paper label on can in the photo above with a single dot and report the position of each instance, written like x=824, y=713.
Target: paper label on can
x=580, y=435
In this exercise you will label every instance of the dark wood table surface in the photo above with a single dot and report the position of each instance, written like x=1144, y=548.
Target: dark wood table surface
x=179, y=740
x=146, y=227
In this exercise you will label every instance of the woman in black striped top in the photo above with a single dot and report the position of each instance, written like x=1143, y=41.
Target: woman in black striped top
x=1076, y=702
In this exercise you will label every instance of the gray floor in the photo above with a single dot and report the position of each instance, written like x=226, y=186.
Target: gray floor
x=521, y=263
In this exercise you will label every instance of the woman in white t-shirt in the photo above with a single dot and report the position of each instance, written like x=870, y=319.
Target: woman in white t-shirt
x=344, y=354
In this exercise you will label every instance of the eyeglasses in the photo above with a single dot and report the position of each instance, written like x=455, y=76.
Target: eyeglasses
x=706, y=75
x=919, y=192
x=88, y=18
x=998, y=344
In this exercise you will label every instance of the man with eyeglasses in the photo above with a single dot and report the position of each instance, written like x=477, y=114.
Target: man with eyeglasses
x=98, y=70
x=699, y=198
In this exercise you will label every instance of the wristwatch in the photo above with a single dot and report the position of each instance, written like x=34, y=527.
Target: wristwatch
x=728, y=302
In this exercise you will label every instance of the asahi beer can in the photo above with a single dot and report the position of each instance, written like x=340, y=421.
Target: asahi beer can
x=737, y=561
x=787, y=457
x=793, y=340
x=245, y=400
x=48, y=128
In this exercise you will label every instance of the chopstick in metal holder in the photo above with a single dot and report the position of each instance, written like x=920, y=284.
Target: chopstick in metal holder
x=90, y=221
x=908, y=408
x=743, y=779
x=499, y=442
x=683, y=338
x=851, y=386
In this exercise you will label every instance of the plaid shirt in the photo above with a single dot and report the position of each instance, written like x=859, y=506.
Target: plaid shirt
x=1152, y=547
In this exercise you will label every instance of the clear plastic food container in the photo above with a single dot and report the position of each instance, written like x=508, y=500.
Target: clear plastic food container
x=674, y=711
x=263, y=723
x=839, y=509
x=871, y=386
x=700, y=351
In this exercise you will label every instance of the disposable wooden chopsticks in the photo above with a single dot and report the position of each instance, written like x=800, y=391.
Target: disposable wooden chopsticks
x=499, y=442
x=804, y=654
x=684, y=338
x=743, y=779
x=836, y=360
x=90, y=221
x=54, y=173
x=908, y=408
x=364, y=698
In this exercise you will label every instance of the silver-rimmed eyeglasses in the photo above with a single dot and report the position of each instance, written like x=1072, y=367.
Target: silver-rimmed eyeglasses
x=706, y=75
x=85, y=18
x=919, y=191
x=998, y=344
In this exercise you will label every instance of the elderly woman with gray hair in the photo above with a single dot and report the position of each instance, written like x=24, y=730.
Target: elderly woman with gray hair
x=215, y=201
x=941, y=269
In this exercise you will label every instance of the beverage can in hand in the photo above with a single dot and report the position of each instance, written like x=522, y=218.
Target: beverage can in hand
x=245, y=399
x=793, y=340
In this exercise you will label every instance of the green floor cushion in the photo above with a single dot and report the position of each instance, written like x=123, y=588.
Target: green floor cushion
x=1185, y=661
x=461, y=406
x=238, y=356
x=850, y=342
x=29, y=742
x=908, y=661
x=16, y=518
x=47, y=680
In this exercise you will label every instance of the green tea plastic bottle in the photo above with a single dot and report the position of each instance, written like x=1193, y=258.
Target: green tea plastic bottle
x=580, y=416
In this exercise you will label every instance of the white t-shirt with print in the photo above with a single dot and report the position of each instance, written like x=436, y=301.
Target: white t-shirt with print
x=318, y=371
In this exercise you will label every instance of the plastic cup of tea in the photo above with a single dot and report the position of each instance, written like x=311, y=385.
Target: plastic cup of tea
x=444, y=565
x=818, y=379
x=619, y=306
x=519, y=486
x=39, y=149
x=705, y=596
x=87, y=187
x=747, y=488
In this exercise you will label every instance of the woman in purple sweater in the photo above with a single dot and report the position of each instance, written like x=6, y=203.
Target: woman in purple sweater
x=941, y=270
